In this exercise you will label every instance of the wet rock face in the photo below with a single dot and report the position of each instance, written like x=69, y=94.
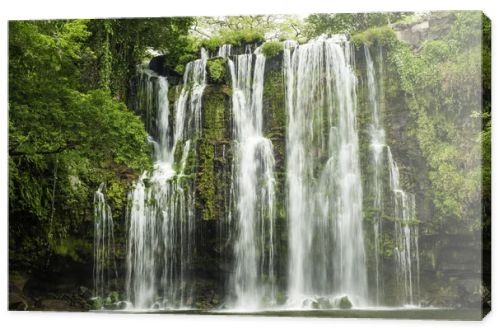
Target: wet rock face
x=158, y=64
x=427, y=28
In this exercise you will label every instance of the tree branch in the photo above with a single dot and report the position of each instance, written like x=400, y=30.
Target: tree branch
x=54, y=151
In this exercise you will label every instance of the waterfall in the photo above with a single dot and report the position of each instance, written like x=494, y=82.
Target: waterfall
x=104, y=245
x=326, y=242
x=406, y=252
x=225, y=51
x=324, y=259
x=161, y=215
x=254, y=276
x=407, y=266
x=377, y=144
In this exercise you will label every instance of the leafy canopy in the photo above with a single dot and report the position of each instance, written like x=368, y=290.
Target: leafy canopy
x=63, y=139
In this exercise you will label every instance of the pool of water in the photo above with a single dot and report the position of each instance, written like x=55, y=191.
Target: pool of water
x=377, y=313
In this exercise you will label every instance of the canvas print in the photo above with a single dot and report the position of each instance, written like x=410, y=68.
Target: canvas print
x=326, y=165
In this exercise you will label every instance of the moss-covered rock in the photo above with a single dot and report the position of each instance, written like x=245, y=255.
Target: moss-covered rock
x=345, y=303
x=271, y=49
x=215, y=135
x=216, y=69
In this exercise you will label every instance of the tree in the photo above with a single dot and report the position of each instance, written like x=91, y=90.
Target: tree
x=317, y=24
x=240, y=30
x=119, y=45
x=63, y=140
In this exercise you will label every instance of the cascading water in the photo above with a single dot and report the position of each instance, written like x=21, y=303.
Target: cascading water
x=104, y=245
x=323, y=204
x=377, y=145
x=407, y=266
x=225, y=51
x=161, y=214
x=326, y=243
x=254, y=276
x=406, y=252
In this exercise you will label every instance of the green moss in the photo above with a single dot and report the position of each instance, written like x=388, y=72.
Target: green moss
x=179, y=150
x=214, y=129
x=274, y=103
x=345, y=303
x=216, y=68
x=206, y=184
x=191, y=161
x=179, y=68
x=271, y=49
x=213, y=112
x=274, y=111
x=173, y=93
x=76, y=249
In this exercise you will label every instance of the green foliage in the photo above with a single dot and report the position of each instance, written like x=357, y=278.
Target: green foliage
x=317, y=24
x=64, y=138
x=486, y=59
x=73, y=248
x=188, y=51
x=242, y=37
x=486, y=119
x=116, y=46
x=240, y=30
x=271, y=49
x=382, y=35
x=213, y=43
x=216, y=68
x=467, y=30
x=442, y=85
x=486, y=171
x=436, y=50
x=233, y=37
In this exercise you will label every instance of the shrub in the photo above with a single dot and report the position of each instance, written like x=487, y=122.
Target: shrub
x=233, y=37
x=271, y=49
x=436, y=51
x=382, y=35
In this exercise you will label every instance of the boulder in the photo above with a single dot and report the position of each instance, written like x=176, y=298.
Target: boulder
x=311, y=303
x=424, y=28
x=84, y=293
x=55, y=305
x=345, y=303
x=324, y=303
x=17, y=302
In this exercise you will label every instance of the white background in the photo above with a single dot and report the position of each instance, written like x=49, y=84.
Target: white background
x=51, y=322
